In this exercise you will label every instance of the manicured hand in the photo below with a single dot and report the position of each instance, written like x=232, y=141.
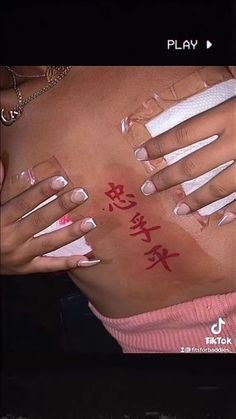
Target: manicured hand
x=20, y=250
x=220, y=121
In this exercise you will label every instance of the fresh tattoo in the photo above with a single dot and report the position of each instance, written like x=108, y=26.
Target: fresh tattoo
x=138, y=226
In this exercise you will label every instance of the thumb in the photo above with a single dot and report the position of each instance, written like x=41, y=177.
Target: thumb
x=1, y=174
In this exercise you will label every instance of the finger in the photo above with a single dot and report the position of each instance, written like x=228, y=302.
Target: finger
x=17, y=207
x=194, y=165
x=197, y=128
x=217, y=188
x=41, y=218
x=52, y=241
x=229, y=214
x=55, y=264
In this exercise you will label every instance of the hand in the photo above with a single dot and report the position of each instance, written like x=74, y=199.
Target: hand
x=20, y=251
x=219, y=120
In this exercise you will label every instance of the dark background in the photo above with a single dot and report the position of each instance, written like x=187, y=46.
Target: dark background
x=117, y=32
x=44, y=313
x=59, y=362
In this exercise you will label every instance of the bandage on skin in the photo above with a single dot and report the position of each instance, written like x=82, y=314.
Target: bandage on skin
x=125, y=282
x=20, y=182
x=205, y=88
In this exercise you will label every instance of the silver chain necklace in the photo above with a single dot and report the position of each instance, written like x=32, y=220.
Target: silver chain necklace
x=53, y=78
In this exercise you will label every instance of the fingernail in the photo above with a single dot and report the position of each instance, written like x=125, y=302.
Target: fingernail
x=58, y=182
x=78, y=195
x=182, y=209
x=227, y=218
x=148, y=188
x=88, y=262
x=87, y=224
x=141, y=153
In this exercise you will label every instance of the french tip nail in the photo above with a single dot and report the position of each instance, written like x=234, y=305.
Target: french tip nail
x=148, y=188
x=82, y=191
x=79, y=195
x=88, y=262
x=175, y=210
x=227, y=218
x=182, y=209
x=58, y=182
x=88, y=224
x=141, y=154
x=90, y=220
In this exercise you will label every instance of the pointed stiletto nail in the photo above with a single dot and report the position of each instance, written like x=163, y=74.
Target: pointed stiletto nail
x=88, y=262
x=182, y=209
x=58, y=182
x=141, y=153
x=148, y=188
x=227, y=218
x=78, y=195
x=88, y=224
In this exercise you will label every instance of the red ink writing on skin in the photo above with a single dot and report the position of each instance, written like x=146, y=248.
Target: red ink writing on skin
x=115, y=194
x=139, y=225
x=159, y=256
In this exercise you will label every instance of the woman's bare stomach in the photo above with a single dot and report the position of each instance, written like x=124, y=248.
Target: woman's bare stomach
x=150, y=257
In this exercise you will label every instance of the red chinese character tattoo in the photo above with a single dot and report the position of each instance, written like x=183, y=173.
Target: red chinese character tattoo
x=158, y=256
x=139, y=223
x=115, y=194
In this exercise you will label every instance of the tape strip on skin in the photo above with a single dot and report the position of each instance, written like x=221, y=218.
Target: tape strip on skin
x=29, y=177
x=150, y=121
x=196, y=82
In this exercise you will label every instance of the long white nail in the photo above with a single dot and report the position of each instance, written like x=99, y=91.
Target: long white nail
x=141, y=153
x=78, y=195
x=58, y=182
x=148, y=188
x=182, y=209
x=227, y=218
x=88, y=224
x=88, y=262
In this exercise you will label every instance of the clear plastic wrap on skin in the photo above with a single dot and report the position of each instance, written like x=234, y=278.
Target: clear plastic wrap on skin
x=31, y=176
x=205, y=88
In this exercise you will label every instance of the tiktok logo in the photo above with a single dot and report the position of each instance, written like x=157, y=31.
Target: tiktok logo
x=217, y=327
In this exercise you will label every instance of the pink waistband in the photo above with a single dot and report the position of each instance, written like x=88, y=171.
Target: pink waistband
x=183, y=327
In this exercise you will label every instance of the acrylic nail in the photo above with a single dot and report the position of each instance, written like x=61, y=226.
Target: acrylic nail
x=148, y=188
x=88, y=224
x=58, y=182
x=141, y=153
x=78, y=195
x=182, y=209
x=86, y=263
x=227, y=218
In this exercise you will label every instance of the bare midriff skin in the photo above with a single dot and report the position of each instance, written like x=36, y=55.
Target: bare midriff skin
x=78, y=122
